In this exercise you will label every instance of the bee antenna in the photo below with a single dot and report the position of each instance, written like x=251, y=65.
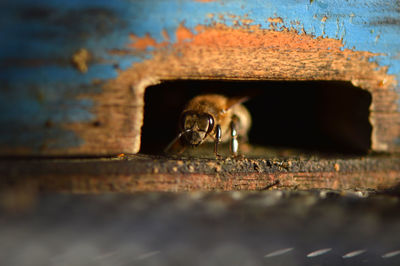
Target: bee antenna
x=176, y=139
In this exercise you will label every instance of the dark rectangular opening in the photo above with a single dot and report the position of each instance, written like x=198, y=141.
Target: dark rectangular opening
x=324, y=117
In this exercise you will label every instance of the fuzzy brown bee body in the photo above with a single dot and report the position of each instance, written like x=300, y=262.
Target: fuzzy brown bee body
x=214, y=118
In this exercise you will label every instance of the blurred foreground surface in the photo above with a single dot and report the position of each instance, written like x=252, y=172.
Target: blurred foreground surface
x=227, y=228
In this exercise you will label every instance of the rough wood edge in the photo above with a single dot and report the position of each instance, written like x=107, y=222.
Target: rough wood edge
x=148, y=173
x=221, y=52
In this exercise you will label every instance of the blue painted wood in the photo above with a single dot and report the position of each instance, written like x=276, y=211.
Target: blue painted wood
x=38, y=38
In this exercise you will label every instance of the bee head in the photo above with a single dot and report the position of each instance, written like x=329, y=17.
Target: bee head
x=196, y=126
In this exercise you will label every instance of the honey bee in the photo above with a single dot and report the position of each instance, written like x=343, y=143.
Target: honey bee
x=213, y=118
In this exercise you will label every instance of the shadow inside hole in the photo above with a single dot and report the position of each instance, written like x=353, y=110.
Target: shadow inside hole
x=313, y=116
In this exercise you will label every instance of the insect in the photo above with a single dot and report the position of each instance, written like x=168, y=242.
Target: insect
x=213, y=118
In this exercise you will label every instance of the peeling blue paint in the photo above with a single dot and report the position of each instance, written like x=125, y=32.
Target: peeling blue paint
x=371, y=25
x=37, y=138
x=51, y=31
x=363, y=25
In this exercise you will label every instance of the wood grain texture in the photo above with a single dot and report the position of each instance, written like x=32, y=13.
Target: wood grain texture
x=150, y=173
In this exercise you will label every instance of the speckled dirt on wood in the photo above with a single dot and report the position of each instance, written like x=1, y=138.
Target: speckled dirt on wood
x=159, y=173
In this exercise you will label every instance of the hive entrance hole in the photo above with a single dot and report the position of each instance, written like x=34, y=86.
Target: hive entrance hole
x=312, y=116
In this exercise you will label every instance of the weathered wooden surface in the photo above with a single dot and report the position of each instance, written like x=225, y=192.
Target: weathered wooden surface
x=73, y=74
x=159, y=173
x=239, y=228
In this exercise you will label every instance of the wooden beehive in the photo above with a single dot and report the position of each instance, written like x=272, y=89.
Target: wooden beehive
x=74, y=75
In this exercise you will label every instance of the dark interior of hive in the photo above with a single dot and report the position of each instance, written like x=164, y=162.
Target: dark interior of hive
x=317, y=117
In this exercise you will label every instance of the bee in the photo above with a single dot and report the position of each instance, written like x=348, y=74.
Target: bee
x=213, y=118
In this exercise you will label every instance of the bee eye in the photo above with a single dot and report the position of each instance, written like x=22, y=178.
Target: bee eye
x=186, y=120
x=205, y=122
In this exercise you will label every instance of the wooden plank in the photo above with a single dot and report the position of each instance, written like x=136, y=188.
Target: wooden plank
x=73, y=74
x=156, y=173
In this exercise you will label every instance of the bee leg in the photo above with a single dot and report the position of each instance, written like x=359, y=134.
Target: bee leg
x=234, y=135
x=218, y=135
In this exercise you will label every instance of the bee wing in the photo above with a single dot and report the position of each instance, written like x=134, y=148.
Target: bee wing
x=236, y=100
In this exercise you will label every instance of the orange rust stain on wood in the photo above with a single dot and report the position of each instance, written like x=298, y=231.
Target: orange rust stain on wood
x=183, y=33
x=222, y=36
x=210, y=15
x=165, y=35
x=142, y=43
x=275, y=20
x=246, y=21
x=249, y=53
